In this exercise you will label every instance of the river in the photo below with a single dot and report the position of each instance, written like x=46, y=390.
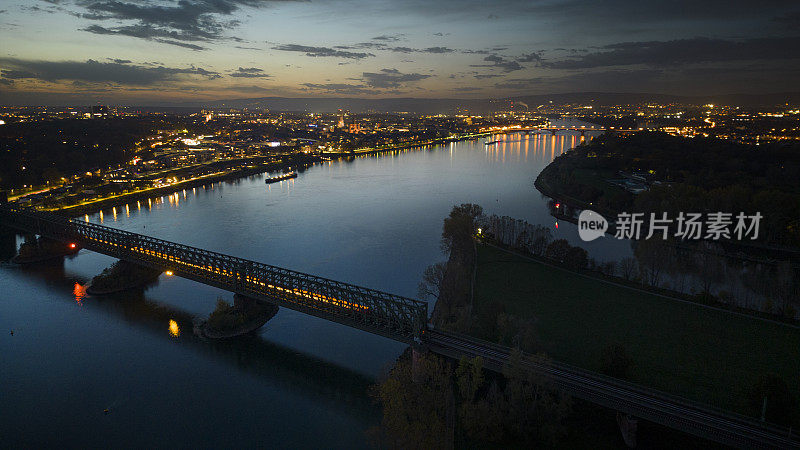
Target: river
x=301, y=381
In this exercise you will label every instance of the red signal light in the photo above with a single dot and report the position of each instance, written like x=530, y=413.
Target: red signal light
x=71, y=245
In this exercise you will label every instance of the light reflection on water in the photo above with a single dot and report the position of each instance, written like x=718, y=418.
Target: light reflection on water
x=79, y=291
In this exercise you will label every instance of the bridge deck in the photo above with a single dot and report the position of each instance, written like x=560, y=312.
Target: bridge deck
x=377, y=312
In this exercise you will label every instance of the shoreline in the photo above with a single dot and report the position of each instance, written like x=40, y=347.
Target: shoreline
x=74, y=211
x=740, y=251
x=119, y=200
x=434, y=142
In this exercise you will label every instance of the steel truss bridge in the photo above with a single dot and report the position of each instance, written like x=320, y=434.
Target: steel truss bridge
x=399, y=318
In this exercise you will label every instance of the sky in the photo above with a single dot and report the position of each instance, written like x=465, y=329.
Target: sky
x=151, y=51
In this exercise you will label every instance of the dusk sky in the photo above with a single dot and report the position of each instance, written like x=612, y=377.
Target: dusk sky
x=150, y=51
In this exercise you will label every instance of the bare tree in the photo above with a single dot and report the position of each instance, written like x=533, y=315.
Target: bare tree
x=431, y=284
x=628, y=268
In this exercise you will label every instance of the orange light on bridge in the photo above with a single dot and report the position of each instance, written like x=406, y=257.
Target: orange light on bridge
x=169, y=273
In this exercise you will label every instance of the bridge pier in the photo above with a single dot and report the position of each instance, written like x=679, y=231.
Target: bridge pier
x=245, y=316
x=243, y=303
x=628, y=426
x=121, y=276
x=417, y=354
x=41, y=249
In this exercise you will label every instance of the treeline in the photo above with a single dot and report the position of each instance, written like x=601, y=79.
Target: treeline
x=451, y=284
x=697, y=175
x=439, y=407
x=536, y=240
x=700, y=271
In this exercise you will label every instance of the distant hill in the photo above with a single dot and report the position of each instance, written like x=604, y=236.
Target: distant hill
x=481, y=106
x=360, y=105
x=413, y=105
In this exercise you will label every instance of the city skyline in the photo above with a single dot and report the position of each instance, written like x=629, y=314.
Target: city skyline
x=151, y=52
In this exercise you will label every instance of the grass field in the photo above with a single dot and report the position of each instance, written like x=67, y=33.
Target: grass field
x=704, y=354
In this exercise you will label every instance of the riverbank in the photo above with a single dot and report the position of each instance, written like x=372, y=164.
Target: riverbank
x=412, y=145
x=121, y=199
x=92, y=206
x=587, y=177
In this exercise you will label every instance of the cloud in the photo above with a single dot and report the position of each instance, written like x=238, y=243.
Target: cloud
x=400, y=49
x=388, y=38
x=249, y=72
x=148, y=33
x=683, y=51
x=339, y=88
x=322, y=51
x=530, y=57
x=500, y=62
x=92, y=71
x=391, y=78
x=606, y=81
x=437, y=50
x=488, y=75
x=184, y=20
x=16, y=74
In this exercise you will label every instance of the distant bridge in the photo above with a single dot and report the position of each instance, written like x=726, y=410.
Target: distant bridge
x=581, y=130
x=399, y=318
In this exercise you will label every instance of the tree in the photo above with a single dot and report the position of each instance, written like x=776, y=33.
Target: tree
x=576, y=258
x=460, y=226
x=558, y=250
x=415, y=413
x=780, y=405
x=51, y=175
x=709, y=265
x=653, y=256
x=615, y=361
x=469, y=377
x=628, y=268
x=535, y=411
x=431, y=284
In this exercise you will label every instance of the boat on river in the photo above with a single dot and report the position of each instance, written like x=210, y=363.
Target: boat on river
x=285, y=176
